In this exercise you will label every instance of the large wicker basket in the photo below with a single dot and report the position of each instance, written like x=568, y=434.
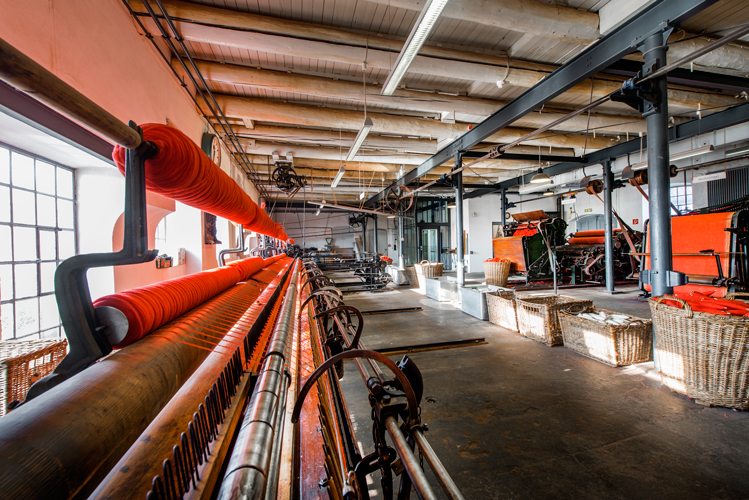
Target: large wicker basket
x=537, y=316
x=502, y=311
x=429, y=269
x=23, y=362
x=613, y=345
x=702, y=355
x=496, y=273
x=413, y=278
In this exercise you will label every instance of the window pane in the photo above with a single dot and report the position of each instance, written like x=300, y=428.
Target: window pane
x=49, y=314
x=65, y=214
x=4, y=166
x=51, y=334
x=24, y=243
x=46, y=209
x=4, y=204
x=45, y=178
x=7, y=321
x=67, y=244
x=24, y=207
x=23, y=171
x=48, y=276
x=27, y=317
x=64, y=183
x=47, y=245
x=26, y=284
x=5, y=244
x=6, y=282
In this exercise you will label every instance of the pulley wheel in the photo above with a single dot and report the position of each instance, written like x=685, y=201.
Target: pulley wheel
x=398, y=198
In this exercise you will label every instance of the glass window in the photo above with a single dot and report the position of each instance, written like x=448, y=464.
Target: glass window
x=4, y=166
x=37, y=232
x=22, y=170
x=681, y=197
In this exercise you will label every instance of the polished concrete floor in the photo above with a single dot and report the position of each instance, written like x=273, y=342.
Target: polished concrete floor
x=517, y=419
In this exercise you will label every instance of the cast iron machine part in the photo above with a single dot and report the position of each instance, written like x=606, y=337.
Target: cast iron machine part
x=395, y=404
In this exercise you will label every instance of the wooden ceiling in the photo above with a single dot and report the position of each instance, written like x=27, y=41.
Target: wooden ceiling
x=291, y=76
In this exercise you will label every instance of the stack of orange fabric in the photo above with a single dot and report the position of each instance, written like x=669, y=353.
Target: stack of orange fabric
x=704, y=303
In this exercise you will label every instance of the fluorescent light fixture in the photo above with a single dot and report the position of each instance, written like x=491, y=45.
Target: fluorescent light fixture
x=737, y=152
x=424, y=24
x=363, y=132
x=362, y=195
x=679, y=156
x=338, y=177
x=392, y=216
x=540, y=178
x=532, y=188
x=319, y=209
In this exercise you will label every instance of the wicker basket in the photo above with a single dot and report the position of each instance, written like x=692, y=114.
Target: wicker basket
x=703, y=355
x=613, y=345
x=429, y=269
x=23, y=362
x=496, y=273
x=413, y=278
x=502, y=311
x=537, y=316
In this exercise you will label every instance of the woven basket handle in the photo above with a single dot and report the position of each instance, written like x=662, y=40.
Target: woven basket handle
x=686, y=311
x=434, y=263
x=732, y=296
x=423, y=261
x=575, y=308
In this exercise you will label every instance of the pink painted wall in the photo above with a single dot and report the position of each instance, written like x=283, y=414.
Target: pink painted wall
x=96, y=46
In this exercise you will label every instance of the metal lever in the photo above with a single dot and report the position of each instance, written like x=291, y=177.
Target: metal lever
x=92, y=332
x=240, y=249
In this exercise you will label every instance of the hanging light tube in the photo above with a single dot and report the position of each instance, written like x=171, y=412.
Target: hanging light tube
x=679, y=156
x=363, y=132
x=338, y=177
x=424, y=24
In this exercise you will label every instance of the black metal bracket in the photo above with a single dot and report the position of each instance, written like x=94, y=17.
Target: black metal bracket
x=90, y=331
x=240, y=249
x=673, y=278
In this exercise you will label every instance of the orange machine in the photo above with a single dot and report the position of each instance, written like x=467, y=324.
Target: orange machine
x=711, y=249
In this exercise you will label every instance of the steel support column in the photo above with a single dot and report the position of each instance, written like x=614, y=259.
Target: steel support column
x=458, y=183
x=659, y=181
x=401, y=257
x=503, y=215
x=374, y=238
x=608, y=184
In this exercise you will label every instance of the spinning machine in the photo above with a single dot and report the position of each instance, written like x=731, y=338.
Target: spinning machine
x=188, y=388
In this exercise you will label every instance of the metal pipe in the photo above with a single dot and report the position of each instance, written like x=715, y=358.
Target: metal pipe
x=26, y=75
x=608, y=184
x=659, y=179
x=278, y=426
x=458, y=180
x=249, y=466
x=439, y=470
x=414, y=471
x=374, y=239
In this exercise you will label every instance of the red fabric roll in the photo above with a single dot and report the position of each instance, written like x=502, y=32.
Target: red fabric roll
x=150, y=307
x=704, y=303
x=589, y=240
x=182, y=171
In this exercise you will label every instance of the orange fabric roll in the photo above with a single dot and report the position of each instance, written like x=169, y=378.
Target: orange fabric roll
x=589, y=240
x=150, y=307
x=183, y=172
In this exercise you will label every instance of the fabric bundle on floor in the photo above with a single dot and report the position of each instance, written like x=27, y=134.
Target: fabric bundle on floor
x=703, y=303
x=150, y=307
x=183, y=172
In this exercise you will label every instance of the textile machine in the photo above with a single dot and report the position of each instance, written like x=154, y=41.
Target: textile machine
x=188, y=388
x=709, y=252
x=527, y=242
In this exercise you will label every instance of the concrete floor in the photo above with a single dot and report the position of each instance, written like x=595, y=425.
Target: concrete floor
x=517, y=419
